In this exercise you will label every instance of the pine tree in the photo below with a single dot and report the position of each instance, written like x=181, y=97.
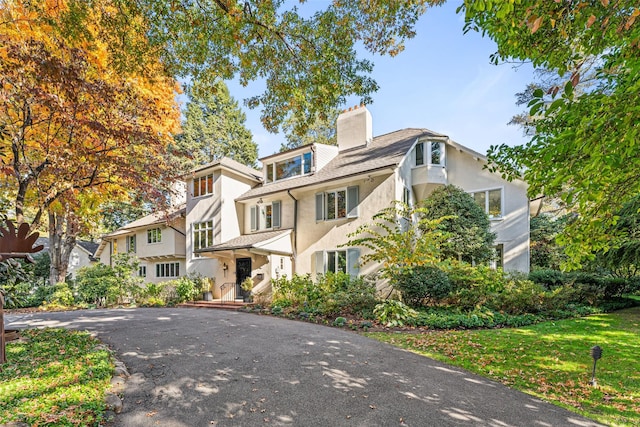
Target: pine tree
x=213, y=127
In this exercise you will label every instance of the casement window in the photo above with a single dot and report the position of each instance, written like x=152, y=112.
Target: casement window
x=490, y=201
x=203, y=185
x=266, y=216
x=498, y=257
x=168, y=269
x=429, y=152
x=337, y=204
x=142, y=271
x=406, y=196
x=154, y=235
x=345, y=260
x=131, y=244
x=289, y=168
x=202, y=235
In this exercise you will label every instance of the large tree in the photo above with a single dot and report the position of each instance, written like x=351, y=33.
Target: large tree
x=467, y=225
x=305, y=55
x=585, y=146
x=320, y=129
x=213, y=127
x=76, y=128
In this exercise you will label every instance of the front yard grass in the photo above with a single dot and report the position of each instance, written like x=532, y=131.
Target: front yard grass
x=550, y=360
x=54, y=377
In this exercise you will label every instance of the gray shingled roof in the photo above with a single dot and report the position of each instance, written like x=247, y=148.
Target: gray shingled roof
x=153, y=218
x=245, y=241
x=384, y=151
x=231, y=164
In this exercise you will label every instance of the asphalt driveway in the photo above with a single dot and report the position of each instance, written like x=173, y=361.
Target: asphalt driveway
x=204, y=367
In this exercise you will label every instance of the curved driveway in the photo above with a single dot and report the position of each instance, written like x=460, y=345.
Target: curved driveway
x=199, y=367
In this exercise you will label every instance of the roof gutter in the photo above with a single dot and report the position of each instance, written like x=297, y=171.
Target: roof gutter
x=295, y=226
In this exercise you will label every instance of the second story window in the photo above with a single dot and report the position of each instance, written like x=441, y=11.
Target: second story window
x=203, y=185
x=202, y=235
x=288, y=168
x=154, y=235
x=131, y=244
x=266, y=217
x=342, y=203
x=429, y=152
x=490, y=201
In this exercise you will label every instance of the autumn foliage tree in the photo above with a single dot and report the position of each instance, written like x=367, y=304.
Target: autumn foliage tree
x=77, y=127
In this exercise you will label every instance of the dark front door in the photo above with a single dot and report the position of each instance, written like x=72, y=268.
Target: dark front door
x=243, y=270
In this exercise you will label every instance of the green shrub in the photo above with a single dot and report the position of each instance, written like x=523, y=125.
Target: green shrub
x=62, y=297
x=339, y=321
x=394, y=313
x=548, y=278
x=186, y=289
x=93, y=283
x=298, y=290
x=423, y=283
x=518, y=297
x=472, y=287
x=341, y=293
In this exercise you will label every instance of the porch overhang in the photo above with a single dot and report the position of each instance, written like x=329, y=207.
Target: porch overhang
x=277, y=242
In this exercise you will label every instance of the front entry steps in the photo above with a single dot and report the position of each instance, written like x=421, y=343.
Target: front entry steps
x=225, y=305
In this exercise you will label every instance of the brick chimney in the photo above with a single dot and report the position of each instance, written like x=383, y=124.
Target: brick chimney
x=354, y=128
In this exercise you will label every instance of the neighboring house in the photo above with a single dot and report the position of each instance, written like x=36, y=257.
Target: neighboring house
x=81, y=255
x=294, y=216
x=158, y=240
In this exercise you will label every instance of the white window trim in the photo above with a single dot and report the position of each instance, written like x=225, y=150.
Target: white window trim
x=199, y=178
x=272, y=167
x=193, y=236
x=426, y=144
x=349, y=213
x=257, y=216
x=159, y=241
x=166, y=265
x=486, y=201
x=350, y=253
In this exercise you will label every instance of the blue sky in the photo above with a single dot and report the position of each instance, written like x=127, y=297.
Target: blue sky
x=442, y=81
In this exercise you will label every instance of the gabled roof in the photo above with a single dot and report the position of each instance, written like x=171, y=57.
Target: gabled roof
x=151, y=219
x=384, y=151
x=231, y=164
x=87, y=246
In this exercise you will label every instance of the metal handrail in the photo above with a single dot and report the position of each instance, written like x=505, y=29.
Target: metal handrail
x=228, y=292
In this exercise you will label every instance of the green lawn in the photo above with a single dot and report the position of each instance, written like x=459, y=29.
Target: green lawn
x=550, y=360
x=54, y=378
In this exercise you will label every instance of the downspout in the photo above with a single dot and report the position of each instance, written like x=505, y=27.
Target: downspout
x=295, y=227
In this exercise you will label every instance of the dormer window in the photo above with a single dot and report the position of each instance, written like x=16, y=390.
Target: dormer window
x=289, y=168
x=429, y=152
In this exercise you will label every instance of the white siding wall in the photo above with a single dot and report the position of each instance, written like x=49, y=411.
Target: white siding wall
x=324, y=154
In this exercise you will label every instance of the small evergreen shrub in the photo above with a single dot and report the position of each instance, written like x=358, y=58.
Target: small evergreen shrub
x=423, y=283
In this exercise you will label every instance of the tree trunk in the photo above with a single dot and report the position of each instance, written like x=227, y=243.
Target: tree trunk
x=63, y=231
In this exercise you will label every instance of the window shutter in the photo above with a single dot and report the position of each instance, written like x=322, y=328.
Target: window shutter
x=320, y=207
x=275, y=219
x=352, y=201
x=254, y=218
x=319, y=263
x=353, y=262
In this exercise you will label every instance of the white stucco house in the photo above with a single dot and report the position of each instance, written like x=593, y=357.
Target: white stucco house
x=294, y=215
